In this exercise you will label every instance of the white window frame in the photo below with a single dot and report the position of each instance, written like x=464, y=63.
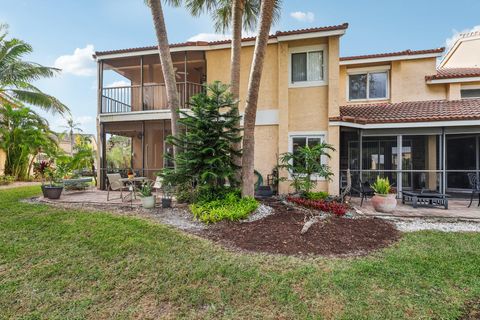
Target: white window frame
x=367, y=71
x=469, y=87
x=307, y=49
x=308, y=134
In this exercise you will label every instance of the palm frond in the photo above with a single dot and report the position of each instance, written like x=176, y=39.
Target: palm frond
x=39, y=99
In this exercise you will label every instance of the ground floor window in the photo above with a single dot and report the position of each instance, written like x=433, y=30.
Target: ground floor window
x=299, y=140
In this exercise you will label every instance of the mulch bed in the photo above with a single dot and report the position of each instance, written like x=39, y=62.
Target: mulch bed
x=471, y=310
x=280, y=234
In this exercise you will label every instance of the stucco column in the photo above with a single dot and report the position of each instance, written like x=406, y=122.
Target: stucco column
x=453, y=91
x=333, y=136
x=283, y=112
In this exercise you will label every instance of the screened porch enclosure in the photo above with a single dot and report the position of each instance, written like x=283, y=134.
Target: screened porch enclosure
x=137, y=146
x=436, y=159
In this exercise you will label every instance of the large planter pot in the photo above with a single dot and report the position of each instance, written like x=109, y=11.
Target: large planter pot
x=384, y=203
x=148, y=202
x=166, y=202
x=52, y=192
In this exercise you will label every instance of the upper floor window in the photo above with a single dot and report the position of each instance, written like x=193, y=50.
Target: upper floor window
x=369, y=85
x=470, y=93
x=307, y=66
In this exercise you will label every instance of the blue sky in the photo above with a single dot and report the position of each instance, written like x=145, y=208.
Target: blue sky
x=64, y=32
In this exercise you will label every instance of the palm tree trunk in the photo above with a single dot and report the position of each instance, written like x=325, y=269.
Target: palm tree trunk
x=237, y=14
x=167, y=66
x=248, y=177
x=71, y=142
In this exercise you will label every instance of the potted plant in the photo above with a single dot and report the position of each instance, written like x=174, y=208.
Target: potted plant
x=130, y=174
x=383, y=200
x=148, y=199
x=166, y=195
x=54, y=189
x=40, y=171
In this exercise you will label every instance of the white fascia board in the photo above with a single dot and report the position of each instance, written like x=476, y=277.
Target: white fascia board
x=311, y=35
x=430, y=124
x=453, y=80
x=269, y=117
x=392, y=58
x=136, y=116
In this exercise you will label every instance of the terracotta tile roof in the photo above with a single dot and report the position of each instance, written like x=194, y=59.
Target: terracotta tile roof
x=451, y=73
x=415, y=111
x=206, y=43
x=393, y=54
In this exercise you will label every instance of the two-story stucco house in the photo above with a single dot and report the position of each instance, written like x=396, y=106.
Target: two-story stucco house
x=392, y=114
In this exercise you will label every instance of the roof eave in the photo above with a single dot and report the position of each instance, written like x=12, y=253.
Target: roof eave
x=391, y=58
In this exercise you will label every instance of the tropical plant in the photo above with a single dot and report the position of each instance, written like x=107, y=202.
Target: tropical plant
x=119, y=152
x=173, y=100
x=206, y=156
x=381, y=186
x=231, y=208
x=305, y=166
x=5, y=180
x=146, y=189
x=267, y=9
x=23, y=135
x=72, y=127
x=17, y=75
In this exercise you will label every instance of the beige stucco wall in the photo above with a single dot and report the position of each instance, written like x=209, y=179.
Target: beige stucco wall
x=465, y=55
x=407, y=81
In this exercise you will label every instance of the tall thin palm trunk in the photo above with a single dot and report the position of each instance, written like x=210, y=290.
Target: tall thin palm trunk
x=167, y=66
x=237, y=26
x=266, y=17
x=71, y=142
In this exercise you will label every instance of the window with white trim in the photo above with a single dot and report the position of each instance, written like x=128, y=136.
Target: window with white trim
x=368, y=85
x=307, y=66
x=301, y=141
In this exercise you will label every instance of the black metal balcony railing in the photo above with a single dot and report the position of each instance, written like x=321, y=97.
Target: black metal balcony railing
x=147, y=97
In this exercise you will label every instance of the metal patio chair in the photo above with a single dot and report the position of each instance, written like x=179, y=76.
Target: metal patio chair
x=114, y=184
x=475, y=187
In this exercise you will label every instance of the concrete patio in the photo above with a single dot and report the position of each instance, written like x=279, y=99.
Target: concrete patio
x=93, y=197
x=457, y=209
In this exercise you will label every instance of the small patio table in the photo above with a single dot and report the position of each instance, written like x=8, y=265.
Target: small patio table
x=425, y=198
x=132, y=185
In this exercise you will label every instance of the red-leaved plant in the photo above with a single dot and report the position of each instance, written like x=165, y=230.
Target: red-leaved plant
x=333, y=207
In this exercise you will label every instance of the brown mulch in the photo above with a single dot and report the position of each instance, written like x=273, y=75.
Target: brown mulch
x=280, y=234
x=472, y=310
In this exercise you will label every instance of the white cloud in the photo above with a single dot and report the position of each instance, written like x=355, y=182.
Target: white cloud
x=80, y=63
x=303, y=16
x=119, y=83
x=456, y=34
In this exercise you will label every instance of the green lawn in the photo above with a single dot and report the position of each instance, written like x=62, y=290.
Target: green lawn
x=70, y=264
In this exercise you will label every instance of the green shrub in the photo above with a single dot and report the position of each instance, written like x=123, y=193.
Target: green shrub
x=381, y=186
x=231, y=207
x=322, y=195
x=4, y=180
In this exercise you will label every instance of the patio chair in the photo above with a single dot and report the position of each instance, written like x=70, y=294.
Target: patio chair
x=475, y=187
x=114, y=184
x=365, y=191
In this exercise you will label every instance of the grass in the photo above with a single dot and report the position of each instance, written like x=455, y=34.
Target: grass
x=59, y=264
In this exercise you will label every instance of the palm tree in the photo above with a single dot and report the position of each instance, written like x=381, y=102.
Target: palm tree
x=167, y=65
x=71, y=128
x=236, y=15
x=267, y=9
x=16, y=75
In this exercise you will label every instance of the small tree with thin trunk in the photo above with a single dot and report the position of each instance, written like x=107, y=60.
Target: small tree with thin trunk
x=167, y=65
x=266, y=17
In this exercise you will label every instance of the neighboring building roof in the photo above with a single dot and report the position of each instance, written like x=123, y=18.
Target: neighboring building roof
x=452, y=73
x=398, y=55
x=415, y=111
x=277, y=34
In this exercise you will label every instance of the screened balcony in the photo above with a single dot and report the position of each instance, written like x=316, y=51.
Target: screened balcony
x=132, y=84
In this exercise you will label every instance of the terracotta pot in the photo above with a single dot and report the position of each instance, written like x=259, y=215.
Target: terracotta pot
x=385, y=203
